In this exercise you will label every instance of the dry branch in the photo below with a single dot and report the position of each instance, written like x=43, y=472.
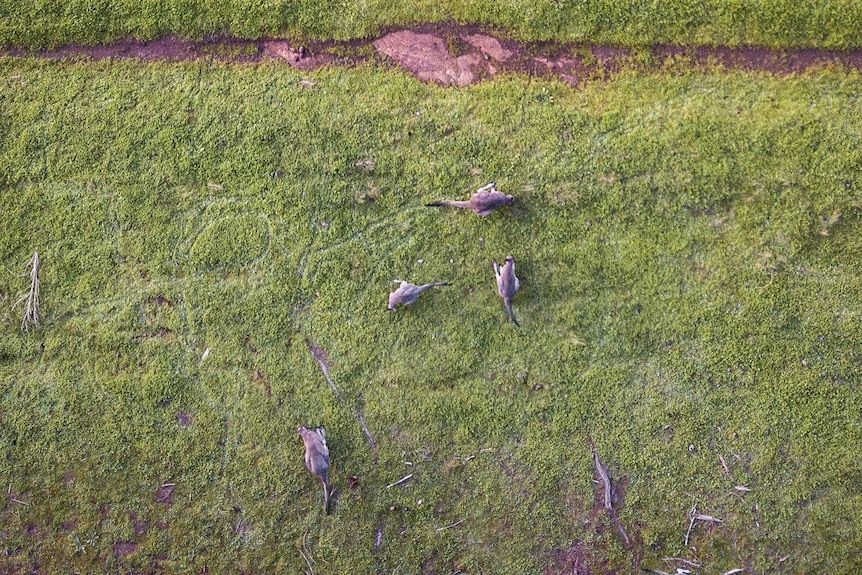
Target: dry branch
x=31, y=298
x=456, y=524
x=691, y=521
x=306, y=554
x=606, y=480
x=681, y=560
x=366, y=431
x=400, y=481
x=322, y=357
x=693, y=516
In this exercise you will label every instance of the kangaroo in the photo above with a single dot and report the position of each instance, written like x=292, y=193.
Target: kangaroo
x=483, y=202
x=408, y=293
x=317, y=457
x=507, y=284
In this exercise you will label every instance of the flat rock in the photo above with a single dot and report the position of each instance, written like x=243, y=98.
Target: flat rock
x=426, y=56
x=489, y=46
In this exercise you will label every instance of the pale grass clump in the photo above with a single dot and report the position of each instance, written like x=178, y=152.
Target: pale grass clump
x=30, y=299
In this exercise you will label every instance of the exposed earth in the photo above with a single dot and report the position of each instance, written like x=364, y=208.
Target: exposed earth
x=455, y=55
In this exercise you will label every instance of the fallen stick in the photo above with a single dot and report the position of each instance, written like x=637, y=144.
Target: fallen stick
x=691, y=515
x=366, y=431
x=695, y=516
x=319, y=354
x=608, y=492
x=457, y=523
x=606, y=480
x=400, y=481
x=681, y=560
x=322, y=358
x=308, y=558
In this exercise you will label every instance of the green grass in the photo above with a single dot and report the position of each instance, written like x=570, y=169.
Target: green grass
x=689, y=292
x=774, y=23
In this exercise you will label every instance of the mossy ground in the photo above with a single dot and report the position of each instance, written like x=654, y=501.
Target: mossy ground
x=689, y=251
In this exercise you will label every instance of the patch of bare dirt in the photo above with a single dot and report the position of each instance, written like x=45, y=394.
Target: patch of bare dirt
x=598, y=531
x=165, y=494
x=299, y=57
x=427, y=57
x=139, y=526
x=123, y=549
x=450, y=54
x=185, y=419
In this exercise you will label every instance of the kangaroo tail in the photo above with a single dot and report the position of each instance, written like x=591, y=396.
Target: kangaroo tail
x=450, y=203
x=326, y=493
x=424, y=287
x=509, y=311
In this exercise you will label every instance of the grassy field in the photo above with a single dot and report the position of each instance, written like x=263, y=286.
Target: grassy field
x=774, y=23
x=690, y=256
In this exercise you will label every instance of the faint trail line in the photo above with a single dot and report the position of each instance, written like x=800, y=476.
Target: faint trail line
x=311, y=251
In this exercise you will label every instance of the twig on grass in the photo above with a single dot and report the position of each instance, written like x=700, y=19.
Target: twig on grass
x=31, y=298
x=608, y=492
x=693, y=516
x=681, y=560
x=306, y=554
x=322, y=357
x=400, y=481
x=473, y=455
x=456, y=524
x=606, y=480
x=366, y=431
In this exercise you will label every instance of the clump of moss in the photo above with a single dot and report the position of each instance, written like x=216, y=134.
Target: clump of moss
x=230, y=242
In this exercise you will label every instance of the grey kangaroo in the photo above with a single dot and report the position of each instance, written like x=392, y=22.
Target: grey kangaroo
x=507, y=284
x=483, y=202
x=317, y=457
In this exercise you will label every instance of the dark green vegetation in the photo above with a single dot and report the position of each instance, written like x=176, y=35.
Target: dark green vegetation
x=774, y=23
x=691, y=264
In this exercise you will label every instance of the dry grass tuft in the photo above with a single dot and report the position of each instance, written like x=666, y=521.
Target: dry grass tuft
x=31, y=298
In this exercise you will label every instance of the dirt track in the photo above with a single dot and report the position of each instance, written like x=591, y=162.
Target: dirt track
x=452, y=55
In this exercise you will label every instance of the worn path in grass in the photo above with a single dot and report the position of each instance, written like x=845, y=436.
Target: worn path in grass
x=454, y=55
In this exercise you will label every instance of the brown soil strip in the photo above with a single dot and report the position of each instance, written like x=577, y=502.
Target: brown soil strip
x=456, y=55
